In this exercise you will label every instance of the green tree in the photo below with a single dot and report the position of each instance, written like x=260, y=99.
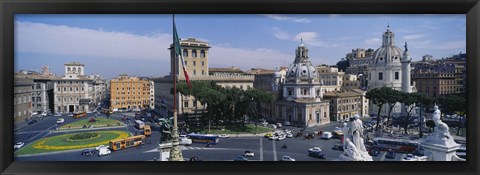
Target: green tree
x=408, y=100
x=393, y=96
x=423, y=101
x=378, y=97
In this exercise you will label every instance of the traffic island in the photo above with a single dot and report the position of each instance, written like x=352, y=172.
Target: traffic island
x=71, y=142
x=91, y=123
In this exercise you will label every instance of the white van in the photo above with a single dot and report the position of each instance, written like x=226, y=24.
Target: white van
x=327, y=135
x=104, y=151
x=60, y=120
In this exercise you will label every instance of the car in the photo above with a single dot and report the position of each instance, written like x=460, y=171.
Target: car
x=195, y=158
x=281, y=137
x=240, y=158
x=44, y=114
x=409, y=157
x=268, y=135
x=60, y=120
x=224, y=136
x=248, y=154
x=18, y=145
x=273, y=138
x=338, y=147
x=104, y=151
x=289, y=135
x=390, y=155
x=314, y=149
x=287, y=123
x=31, y=122
x=318, y=155
x=287, y=158
x=101, y=146
x=88, y=152
x=273, y=126
x=374, y=152
x=57, y=115
x=264, y=123
x=279, y=125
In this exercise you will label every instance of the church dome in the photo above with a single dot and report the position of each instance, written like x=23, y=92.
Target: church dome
x=388, y=52
x=302, y=68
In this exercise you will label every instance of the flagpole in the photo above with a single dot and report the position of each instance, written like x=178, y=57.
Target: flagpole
x=175, y=153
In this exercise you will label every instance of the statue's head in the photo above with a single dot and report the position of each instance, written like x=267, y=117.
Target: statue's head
x=356, y=116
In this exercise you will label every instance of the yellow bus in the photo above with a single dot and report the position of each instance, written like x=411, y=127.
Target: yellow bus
x=80, y=115
x=127, y=142
x=147, y=131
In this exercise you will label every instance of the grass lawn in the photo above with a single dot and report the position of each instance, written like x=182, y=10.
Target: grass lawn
x=60, y=142
x=247, y=129
x=100, y=122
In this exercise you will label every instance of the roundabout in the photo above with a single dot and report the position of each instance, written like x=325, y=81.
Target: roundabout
x=72, y=141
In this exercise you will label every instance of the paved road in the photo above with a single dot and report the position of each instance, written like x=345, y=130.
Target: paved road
x=226, y=150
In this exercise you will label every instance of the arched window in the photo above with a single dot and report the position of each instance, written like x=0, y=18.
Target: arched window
x=68, y=69
x=80, y=70
x=74, y=69
x=185, y=52
x=202, y=54
x=194, y=53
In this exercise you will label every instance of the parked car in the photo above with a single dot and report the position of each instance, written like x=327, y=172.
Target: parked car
x=18, y=145
x=409, y=157
x=314, y=149
x=338, y=147
x=248, y=154
x=287, y=123
x=224, y=136
x=57, y=115
x=240, y=158
x=195, y=159
x=287, y=158
x=390, y=155
x=104, y=152
x=88, y=152
x=60, y=120
x=318, y=155
x=289, y=135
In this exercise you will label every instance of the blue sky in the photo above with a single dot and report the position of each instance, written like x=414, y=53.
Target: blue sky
x=110, y=45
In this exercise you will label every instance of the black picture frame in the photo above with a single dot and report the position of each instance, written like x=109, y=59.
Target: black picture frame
x=9, y=8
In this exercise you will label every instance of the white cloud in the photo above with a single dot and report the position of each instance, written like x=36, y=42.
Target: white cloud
x=373, y=41
x=278, y=33
x=286, y=18
x=414, y=36
x=72, y=41
x=245, y=59
x=310, y=38
x=453, y=45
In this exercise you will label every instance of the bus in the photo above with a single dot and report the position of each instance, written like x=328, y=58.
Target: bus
x=397, y=145
x=147, y=131
x=80, y=115
x=201, y=138
x=107, y=111
x=139, y=124
x=127, y=142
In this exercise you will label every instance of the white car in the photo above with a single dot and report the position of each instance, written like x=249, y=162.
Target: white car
x=289, y=135
x=98, y=148
x=287, y=158
x=279, y=125
x=70, y=115
x=314, y=149
x=104, y=151
x=248, y=154
x=18, y=145
x=57, y=115
x=224, y=136
x=287, y=123
x=281, y=137
x=273, y=138
x=409, y=157
x=185, y=141
x=60, y=121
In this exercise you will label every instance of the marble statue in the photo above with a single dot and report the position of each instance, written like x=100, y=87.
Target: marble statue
x=353, y=145
x=441, y=135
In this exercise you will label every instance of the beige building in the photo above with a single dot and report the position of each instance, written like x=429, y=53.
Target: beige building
x=345, y=104
x=351, y=82
x=302, y=102
x=331, y=78
x=71, y=91
x=129, y=93
x=198, y=69
x=22, y=98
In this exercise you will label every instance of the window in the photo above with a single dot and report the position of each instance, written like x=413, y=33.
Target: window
x=185, y=104
x=58, y=89
x=202, y=54
x=80, y=70
x=186, y=63
x=203, y=63
x=194, y=63
x=203, y=72
x=194, y=53
x=380, y=76
x=396, y=75
x=194, y=72
x=71, y=89
x=185, y=52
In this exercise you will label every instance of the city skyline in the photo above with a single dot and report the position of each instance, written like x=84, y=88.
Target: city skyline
x=137, y=44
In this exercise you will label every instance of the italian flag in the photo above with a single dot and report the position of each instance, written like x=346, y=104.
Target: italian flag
x=177, y=50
